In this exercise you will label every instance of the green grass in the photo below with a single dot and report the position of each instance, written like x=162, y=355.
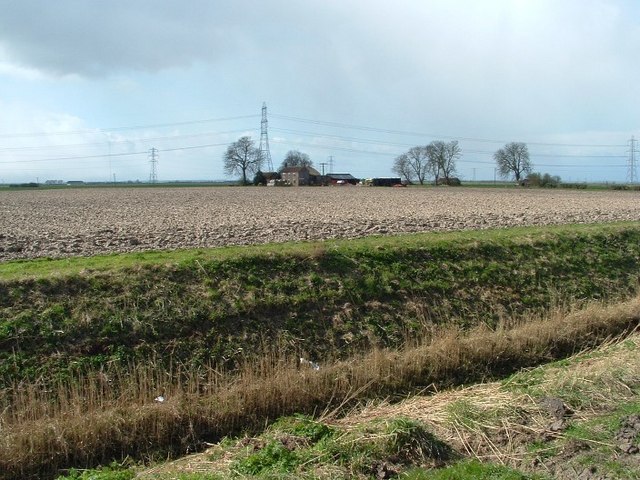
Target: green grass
x=111, y=472
x=129, y=473
x=291, y=448
x=471, y=469
x=347, y=453
x=47, y=267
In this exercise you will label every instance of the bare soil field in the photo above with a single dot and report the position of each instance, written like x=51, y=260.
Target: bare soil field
x=81, y=222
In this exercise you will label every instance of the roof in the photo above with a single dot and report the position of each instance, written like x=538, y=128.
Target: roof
x=341, y=176
x=310, y=170
x=270, y=175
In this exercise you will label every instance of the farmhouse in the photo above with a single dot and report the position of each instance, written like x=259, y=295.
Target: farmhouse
x=300, y=176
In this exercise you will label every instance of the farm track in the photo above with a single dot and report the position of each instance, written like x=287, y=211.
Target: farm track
x=83, y=222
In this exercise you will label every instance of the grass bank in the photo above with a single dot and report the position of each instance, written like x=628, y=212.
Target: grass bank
x=321, y=301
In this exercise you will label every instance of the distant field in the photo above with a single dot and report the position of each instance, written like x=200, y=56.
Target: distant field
x=61, y=223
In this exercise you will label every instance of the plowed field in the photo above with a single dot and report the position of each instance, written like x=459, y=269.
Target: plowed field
x=60, y=223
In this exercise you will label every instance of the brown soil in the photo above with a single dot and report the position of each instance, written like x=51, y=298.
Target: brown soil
x=80, y=222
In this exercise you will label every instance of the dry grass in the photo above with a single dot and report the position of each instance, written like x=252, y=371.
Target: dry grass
x=111, y=414
x=491, y=422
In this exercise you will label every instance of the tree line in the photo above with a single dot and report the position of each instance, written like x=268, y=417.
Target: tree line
x=438, y=161
x=435, y=161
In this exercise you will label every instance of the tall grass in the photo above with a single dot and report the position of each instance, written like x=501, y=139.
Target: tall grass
x=90, y=419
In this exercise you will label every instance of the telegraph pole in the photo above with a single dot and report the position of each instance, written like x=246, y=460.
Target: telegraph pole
x=632, y=176
x=264, y=138
x=323, y=164
x=153, y=160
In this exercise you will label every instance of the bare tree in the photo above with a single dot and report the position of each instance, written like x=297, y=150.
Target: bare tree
x=442, y=158
x=243, y=158
x=412, y=164
x=402, y=169
x=295, y=158
x=513, y=159
x=433, y=164
x=452, y=152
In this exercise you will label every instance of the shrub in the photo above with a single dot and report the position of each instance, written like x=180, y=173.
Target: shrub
x=543, y=180
x=259, y=178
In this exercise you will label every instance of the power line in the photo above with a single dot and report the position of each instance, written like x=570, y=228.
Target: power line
x=433, y=135
x=81, y=157
x=131, y=127
x=378, y=142
x=145, y=152
x=296, y=132
x=291, y=118
x=325, y=147
x=116, y=142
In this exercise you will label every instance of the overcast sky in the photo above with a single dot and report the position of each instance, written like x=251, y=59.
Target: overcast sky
x=359, y=81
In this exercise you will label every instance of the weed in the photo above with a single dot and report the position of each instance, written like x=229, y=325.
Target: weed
x=274, y=457
x=112, y=472
x=303, y=426
x=409, y=441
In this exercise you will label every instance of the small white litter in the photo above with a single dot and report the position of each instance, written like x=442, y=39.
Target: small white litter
x=314, y=365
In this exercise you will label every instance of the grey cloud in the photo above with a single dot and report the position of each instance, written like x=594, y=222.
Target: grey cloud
x=100, y=38
x=448, y=65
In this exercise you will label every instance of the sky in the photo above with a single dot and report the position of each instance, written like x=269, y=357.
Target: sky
x=88, y=87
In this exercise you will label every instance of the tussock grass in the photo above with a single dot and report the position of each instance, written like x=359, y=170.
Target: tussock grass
x=111, y=413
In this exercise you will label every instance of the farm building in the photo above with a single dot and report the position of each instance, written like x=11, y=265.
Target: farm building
x=384, y=181
x=341, y=179
x=300, y=176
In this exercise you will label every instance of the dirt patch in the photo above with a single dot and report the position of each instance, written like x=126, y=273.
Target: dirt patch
x=628, y=437
x=80, y=222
